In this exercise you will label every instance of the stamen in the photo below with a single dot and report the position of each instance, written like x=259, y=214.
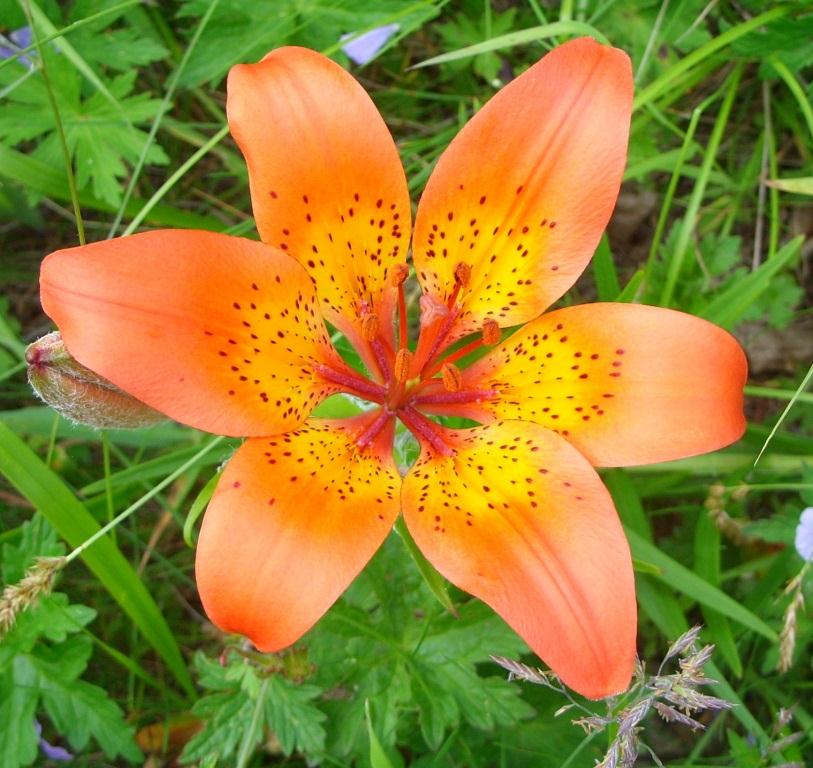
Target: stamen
x=369, y=326
x=462, y=273
x=375, y=428
x=424, y=430
x=403, y=361
x=491, y=331
x=399, y=274
x=452, y=378
x=490, y=336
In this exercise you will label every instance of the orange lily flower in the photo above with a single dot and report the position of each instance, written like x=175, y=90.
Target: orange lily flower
x=228, y=335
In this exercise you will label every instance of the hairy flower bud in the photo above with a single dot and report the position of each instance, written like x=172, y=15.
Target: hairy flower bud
x=78, y=393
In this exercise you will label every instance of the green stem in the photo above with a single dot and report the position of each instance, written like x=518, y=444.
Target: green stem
x=689, y=220
x=162, y=110
x=142, y=501
x=63, y=142
x=173, y=179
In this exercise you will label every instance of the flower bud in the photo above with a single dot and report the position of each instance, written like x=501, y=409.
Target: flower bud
x=79, y=394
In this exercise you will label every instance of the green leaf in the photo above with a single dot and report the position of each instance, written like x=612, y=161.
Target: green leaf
x=100, y=135
x=432, y=579
x=46, y=179
x=18, y=705
x=49, y=494
x=731, y=304
x=290, y=713
x=378, y=757
x=521, y=37
x=689, y=583
x=78, y=709
x=799, y=186
x=607, y=284
x=230, y=713
x=707, y=545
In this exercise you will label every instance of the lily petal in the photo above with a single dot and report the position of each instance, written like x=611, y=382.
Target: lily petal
x=327, y=185
x=293, y=520
x=518, y=518
x=525, y=190
x=626, y=384
x=217, y=332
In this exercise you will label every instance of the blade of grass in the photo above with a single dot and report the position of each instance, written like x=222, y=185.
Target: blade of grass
x=679, y=577
x=666, y=207
x=521, y=37
x=782, y=416
x=707, y=546
x=607, y=285
x=173, y=180
x=162, y=110
x=690, y=218
x=435, y=582
x=666, y=82
x=197, y=508
x=42, y=178
x=795, y=88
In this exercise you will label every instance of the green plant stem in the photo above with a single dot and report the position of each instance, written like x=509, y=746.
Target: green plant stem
x=63, y=142
x=142, y=501
x=796, y=89
x=689, y=220
x=162, y=110
x=668, y=79
x=173, y=179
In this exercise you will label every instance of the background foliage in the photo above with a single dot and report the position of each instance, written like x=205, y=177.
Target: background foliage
x=120, y=666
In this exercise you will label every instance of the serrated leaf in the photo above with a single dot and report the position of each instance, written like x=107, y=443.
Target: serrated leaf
x=37, y=539
x=227, y=716
x=119, y=49
x=100, y=132
x=81, y=710
x=296, y=722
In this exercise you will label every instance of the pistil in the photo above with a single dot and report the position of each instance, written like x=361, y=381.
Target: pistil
x=489, y=337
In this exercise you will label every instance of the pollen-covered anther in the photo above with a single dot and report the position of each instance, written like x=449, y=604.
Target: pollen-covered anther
x=369, y=326
x=403, y=362
x=399, y=273
x=462, y=273
x=491, y=331
x=452, y=378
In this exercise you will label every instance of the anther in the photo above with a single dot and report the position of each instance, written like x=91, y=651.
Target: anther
x=369, y=326
x=400, y=272
x=491, y=331
x=452, y=378
x=403, y=362
x=462, y=273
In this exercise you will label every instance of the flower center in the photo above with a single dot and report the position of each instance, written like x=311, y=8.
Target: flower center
x=420, y=381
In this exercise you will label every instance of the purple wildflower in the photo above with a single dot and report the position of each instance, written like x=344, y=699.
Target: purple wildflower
x=364, y=48
x=804, y=535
